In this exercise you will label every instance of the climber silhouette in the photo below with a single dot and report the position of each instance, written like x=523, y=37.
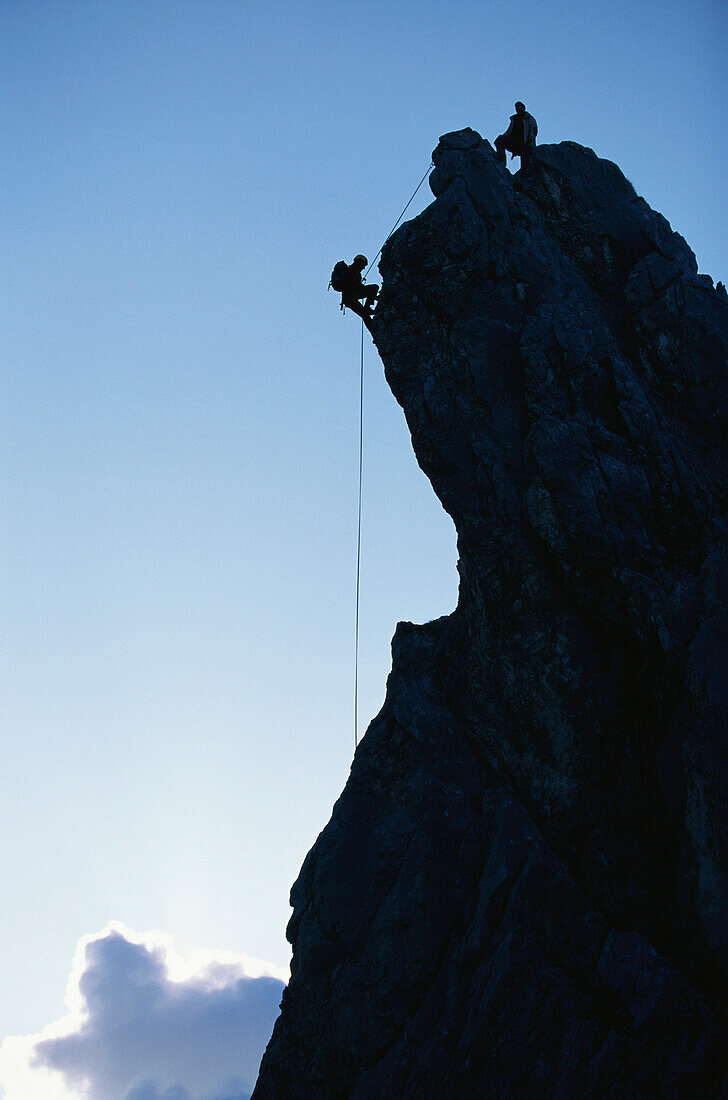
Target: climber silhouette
x=520, y=137
x=348, y=279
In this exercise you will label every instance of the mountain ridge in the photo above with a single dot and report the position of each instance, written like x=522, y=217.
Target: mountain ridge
x=522, y=888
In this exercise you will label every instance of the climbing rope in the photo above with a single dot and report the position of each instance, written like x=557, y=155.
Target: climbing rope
x=361, y=468
x=358, y=540
x=399, y=219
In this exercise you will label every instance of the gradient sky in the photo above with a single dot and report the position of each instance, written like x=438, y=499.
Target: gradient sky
x=179, y=414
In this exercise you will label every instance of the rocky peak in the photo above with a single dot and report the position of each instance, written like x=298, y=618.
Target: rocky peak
x=522, y=889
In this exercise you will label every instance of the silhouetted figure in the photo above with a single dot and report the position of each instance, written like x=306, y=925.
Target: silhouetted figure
x=348, y=279
x=520, y=137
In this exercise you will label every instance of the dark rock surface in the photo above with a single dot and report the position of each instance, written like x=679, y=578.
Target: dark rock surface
x=522, y=889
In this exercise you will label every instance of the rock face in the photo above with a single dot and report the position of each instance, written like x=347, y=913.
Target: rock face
x=522, y=889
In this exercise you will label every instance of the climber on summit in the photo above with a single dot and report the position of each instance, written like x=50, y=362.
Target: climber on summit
x=520, y=137
x=347, y=278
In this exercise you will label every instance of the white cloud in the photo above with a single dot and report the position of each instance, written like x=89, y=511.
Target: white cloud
x=145, y=1024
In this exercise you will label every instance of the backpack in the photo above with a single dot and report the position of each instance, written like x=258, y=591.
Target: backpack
x=338, y=275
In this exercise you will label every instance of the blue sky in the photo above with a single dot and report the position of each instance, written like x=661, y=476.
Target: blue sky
x=179, y=414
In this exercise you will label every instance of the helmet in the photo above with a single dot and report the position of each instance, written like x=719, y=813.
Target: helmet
x=361, y=260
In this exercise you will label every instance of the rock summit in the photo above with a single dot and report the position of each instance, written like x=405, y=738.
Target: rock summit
x=522, y=890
